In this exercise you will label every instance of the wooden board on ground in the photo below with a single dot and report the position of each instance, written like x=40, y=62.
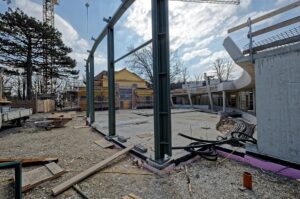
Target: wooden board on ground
x=29, y=161
x=81, y=176
x=37, y=176
x=144, y=135
x=104, y=143
x=131, y=196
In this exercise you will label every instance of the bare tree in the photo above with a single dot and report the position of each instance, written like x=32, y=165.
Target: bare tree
x=141, y=62
x=198, y=77
x=223, y=69
x=185, y=75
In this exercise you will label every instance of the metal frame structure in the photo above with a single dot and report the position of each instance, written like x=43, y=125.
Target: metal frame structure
x=111, y=81
x=18, y=176
x=161, y=77
x=87, y=82
x=161, y=73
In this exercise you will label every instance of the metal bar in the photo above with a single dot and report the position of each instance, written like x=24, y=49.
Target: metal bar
x=274, y=44
x=161, y=77
x=77, y=189
x=276, y=26
x=118, y=14
x=17, y=165
x=87, y=82
x=18, y=180
x=111, y=82
x=266, y=16
x=236, y=2
x=134, y=50
x=92, y=92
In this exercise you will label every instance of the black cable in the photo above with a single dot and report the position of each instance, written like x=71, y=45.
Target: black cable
x=207, y=148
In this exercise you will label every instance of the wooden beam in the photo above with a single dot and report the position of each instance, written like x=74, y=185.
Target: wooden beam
x=29, y=161
x=266, y=16
x=37, y=176
x=81, y=176
x=276, y=26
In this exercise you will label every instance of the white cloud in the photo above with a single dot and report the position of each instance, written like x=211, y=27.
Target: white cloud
x=193, y=27
x=196, y=53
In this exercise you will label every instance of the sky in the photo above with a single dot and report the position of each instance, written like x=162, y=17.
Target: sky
x=197, y=30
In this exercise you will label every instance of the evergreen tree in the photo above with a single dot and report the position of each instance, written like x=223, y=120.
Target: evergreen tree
x=24, y=42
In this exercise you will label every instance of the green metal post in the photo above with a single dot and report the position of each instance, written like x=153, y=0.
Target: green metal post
x=87, y=82
x=161, y=77
x=92, y=93
x=17, y=165
x=18, y=178
x=111, y=82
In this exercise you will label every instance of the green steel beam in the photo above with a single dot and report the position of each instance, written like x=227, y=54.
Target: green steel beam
x=17, y=165
x=161, y=77
x=111, y=82
x=115, y=18
x=87, y=84
x=92, y=93
x=133, y=51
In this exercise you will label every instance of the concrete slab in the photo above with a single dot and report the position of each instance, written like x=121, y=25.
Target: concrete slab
x=135, y=124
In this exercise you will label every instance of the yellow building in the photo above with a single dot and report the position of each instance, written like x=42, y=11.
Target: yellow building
x=131, y=91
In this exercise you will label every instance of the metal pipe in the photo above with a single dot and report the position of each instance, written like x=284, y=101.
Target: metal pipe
x=17, y=165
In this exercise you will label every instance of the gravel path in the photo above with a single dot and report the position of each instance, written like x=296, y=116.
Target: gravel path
x=76, y=151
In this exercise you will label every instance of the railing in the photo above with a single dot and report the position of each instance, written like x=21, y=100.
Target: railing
x=287, y=37
x=18, y=176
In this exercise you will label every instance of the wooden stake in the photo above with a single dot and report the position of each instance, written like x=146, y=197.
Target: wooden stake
x=81, y=176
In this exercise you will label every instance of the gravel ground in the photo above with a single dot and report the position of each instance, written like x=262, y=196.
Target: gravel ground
x=76, y=151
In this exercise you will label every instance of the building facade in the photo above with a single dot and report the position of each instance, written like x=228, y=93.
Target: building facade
x=131, y=91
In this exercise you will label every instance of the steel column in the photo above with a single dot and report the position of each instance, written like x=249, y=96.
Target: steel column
x=224, y=101
x=92, y=93
x=161, y=77
x=87, y=83
x=111, y=82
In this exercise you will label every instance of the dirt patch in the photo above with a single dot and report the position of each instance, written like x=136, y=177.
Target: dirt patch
x=77, y=151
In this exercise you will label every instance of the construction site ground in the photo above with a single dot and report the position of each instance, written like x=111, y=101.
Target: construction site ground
x=74, y=146
x=137, y=126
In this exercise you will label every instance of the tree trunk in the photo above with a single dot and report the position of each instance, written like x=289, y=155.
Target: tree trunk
x=24, y=88
x=19, y=89
x=29, y=71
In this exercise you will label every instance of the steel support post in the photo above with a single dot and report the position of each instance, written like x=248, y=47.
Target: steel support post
x=161, y=77
x=18, y=176
x=111, y=82
x=224, y=101
x=92, y=93
x=87, y=82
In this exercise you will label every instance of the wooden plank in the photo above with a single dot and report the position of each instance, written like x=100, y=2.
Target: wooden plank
x=104, y=143
x=54, y=168
x=145, y=135
x=37, y=176
x=276, y=26
x=266, y=16
x=81, y=176
x=29, y=161
x=131, y=196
